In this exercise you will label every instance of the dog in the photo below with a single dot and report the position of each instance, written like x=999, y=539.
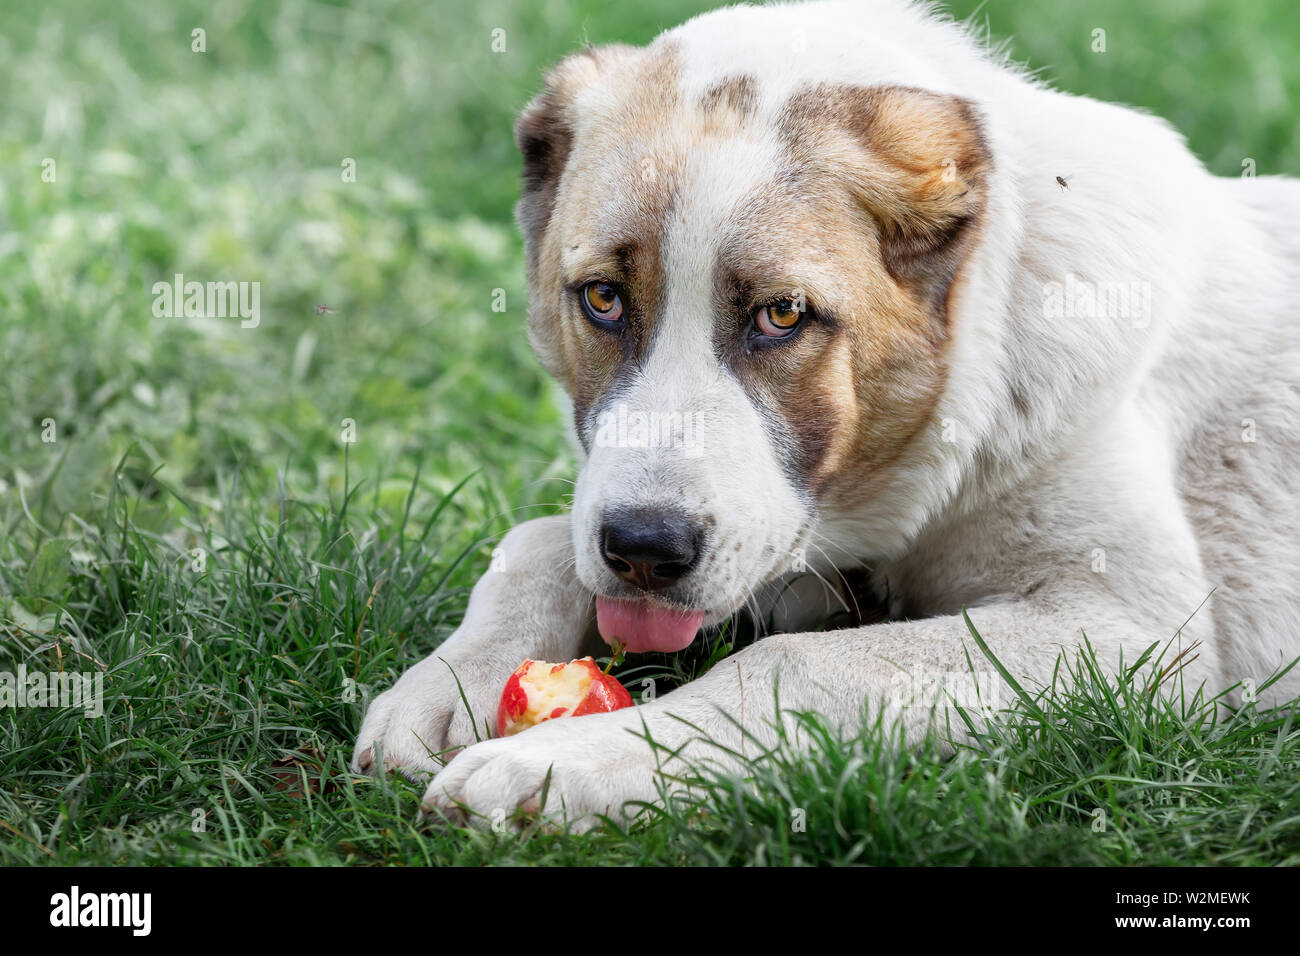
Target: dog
x=829, y=245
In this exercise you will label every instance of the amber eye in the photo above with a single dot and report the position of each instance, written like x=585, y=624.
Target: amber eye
x=778, y=319
x=601, y=302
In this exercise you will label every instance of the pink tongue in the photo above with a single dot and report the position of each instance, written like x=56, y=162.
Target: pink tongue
x=642, y=626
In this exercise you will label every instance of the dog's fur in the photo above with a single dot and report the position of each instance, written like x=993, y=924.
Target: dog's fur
x=952, y=414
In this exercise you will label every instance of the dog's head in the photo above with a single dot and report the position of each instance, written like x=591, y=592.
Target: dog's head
x=743, y=281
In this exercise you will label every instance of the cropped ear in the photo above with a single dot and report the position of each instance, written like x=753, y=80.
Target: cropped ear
x=919, y=163
x=544, y=135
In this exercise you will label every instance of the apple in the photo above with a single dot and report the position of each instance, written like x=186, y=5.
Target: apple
x=540, y=690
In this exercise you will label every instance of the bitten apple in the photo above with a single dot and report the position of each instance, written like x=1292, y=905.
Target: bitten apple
x=540, y=690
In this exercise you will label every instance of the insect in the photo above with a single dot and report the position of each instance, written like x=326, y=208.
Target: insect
x=1062, y=183
x=322, y=309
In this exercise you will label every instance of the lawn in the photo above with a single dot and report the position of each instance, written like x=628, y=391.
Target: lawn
x=250, y=531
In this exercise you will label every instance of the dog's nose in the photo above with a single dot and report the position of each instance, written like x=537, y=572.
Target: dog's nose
x=649, y=547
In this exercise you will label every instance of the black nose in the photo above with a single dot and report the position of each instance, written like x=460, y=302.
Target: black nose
x=649, y=547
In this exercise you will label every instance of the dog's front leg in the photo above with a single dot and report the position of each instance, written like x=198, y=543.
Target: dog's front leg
x=904, y=667
x=530, y=604
x=591, y=766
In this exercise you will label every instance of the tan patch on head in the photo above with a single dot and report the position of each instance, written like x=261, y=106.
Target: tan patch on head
x=544, y=135
x=630, y=137
x=588, y=145
x=916, y=159
x=860, y=376
x=874, y=216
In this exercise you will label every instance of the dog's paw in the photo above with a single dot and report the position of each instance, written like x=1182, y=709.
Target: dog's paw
x=570, y=771
x=421, y=721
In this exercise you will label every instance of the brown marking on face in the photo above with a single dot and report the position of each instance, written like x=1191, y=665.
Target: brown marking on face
x=874, y=214
x=856, y=381
x=917, y=160
x=630, y=135
x=618, y=195
x=544, y=134
x=593, y=195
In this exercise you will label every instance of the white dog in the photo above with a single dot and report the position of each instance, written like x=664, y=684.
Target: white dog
x=831, y=283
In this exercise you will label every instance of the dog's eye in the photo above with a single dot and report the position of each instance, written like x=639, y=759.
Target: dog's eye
x=601, y=302
x=778, y=319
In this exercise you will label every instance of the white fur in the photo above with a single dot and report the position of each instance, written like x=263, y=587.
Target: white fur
x=1130, y=451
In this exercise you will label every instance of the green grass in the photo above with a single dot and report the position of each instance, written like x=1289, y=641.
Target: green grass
x=326, y=569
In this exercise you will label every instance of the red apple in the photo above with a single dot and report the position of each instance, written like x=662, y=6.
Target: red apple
x=540, y=690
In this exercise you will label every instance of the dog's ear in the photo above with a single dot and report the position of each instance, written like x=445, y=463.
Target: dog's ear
x=544, y=135
x=919, y=162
